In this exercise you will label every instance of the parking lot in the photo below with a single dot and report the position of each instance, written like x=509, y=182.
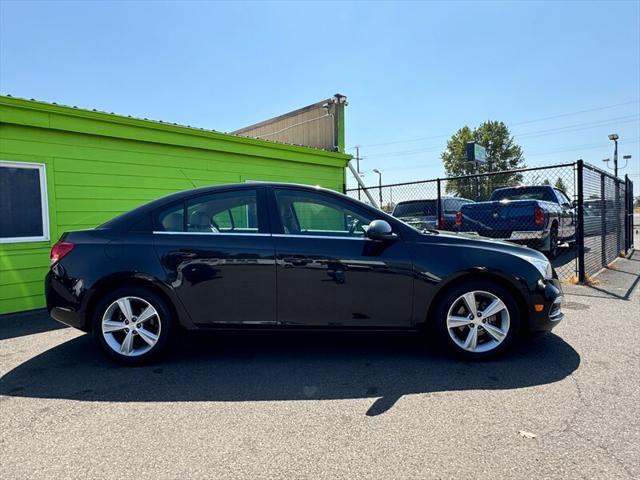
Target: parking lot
x=564, y=405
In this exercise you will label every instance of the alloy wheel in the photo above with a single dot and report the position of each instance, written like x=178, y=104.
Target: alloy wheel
x=478, y=321
x=131, y=326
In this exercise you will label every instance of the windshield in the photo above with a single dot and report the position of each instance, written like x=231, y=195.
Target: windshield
x=415, y=209
x=529, y=193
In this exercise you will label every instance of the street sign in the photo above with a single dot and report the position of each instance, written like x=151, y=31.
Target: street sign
x=476, y=152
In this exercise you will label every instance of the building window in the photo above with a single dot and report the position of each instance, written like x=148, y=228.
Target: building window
x=24, y=215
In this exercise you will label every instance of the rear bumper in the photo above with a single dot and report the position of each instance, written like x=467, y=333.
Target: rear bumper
x=62, y=303
x=528, y=235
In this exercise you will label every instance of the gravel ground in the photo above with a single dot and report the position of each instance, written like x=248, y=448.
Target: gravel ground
x=564, y=405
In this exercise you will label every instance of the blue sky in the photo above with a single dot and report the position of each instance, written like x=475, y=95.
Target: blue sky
x=413, y=72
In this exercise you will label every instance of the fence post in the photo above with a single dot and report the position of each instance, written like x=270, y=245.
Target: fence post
x=617, y=212
x=580, y=225
x=628, y=214
x=603, y=221
x=438, y=206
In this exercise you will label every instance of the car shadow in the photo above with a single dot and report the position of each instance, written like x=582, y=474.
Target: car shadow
x=233, y=367
x=13, y=325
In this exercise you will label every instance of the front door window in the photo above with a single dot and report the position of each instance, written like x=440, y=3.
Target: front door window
x=310, y=214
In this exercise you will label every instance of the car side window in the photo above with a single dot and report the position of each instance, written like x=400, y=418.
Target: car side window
x=305, y=213
x=224, y=212
x=170, y=219
x=451, y=205
x=562, y=197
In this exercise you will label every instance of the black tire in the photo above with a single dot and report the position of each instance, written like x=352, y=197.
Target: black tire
x=163, y=323
x=553, y=242
x=450, y=300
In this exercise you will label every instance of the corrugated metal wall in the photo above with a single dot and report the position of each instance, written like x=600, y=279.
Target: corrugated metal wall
x=318, y=126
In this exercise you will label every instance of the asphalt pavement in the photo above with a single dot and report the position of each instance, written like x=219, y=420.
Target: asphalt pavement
x=564, y=405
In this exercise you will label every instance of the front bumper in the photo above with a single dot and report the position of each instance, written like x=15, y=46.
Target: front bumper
x=546, y=311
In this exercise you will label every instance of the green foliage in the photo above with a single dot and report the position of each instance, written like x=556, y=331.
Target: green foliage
x=502, y=154
x=547, y=182
x=560, y=185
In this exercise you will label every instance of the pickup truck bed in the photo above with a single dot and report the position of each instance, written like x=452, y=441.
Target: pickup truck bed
x=539, y=216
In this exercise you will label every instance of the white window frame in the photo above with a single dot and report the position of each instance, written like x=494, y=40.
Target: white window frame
x=42, y=174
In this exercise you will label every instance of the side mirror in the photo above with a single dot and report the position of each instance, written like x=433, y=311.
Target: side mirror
x=380, y=230
x=574, y=204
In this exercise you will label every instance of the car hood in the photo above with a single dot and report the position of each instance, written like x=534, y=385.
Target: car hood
x=475, y=241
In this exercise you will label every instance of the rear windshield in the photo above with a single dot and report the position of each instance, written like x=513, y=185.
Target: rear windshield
x=415, y=209
x=529, y=193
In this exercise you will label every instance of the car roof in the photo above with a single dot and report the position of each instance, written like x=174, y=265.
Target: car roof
x=431, y=200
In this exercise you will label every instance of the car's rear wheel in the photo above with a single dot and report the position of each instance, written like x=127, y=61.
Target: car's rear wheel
x=477, y=320
x=132, y=325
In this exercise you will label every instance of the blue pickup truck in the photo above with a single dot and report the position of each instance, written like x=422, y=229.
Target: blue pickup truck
x=541, y=217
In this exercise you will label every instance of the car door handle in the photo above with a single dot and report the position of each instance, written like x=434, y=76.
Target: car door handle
x=185, y=254
x=296, y=261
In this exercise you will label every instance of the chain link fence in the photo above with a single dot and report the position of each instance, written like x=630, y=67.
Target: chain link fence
x=575, y=213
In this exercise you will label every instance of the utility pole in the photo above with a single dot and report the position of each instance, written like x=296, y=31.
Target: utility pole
x=358, y=167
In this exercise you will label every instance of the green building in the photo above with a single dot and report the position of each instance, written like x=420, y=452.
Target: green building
x=64, y=168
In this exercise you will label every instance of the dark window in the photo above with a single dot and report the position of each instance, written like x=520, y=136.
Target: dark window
x=170, y=219
x=21, y=205
x=421, y=208
x=563, y=199
x=306, y=213
x=523, y=193
x=224, y=212
x=451, y=205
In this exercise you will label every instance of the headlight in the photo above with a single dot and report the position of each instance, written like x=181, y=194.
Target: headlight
x=543, y=266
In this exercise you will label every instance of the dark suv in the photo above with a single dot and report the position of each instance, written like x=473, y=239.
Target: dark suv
x=423, y=214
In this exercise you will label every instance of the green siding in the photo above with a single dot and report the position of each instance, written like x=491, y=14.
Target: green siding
x=99, y=165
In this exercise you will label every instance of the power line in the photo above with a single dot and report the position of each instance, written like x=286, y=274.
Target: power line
x=568, y=150
x=577, y=112
x=527, y=135
x=579, y=126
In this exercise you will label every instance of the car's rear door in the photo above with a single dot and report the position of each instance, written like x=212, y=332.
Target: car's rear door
x=219, y=256
x=329, y=273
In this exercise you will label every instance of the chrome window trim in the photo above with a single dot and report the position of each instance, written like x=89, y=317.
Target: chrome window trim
x=334, y=237
x=223, y=234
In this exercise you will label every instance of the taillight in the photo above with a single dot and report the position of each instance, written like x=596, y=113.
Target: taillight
x=59, y=250
x=459, y=218
x=441, y=223
x=538, y=216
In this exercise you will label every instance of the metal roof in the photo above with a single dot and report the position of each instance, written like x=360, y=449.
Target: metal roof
x=159, y=122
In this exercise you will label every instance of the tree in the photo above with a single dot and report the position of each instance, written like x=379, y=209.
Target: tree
x=560, y=185
x=502, y=154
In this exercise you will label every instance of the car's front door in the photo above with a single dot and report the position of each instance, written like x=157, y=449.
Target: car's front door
x=219, y=256
x=328, y=272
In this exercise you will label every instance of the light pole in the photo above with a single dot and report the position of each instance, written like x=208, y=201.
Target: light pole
x=375, y=170
x=614, y=138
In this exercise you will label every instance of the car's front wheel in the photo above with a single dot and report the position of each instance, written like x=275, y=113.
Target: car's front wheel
x=477, y=320
x=132, y=325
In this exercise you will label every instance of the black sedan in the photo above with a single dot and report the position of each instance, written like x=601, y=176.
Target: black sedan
x=279, y=256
